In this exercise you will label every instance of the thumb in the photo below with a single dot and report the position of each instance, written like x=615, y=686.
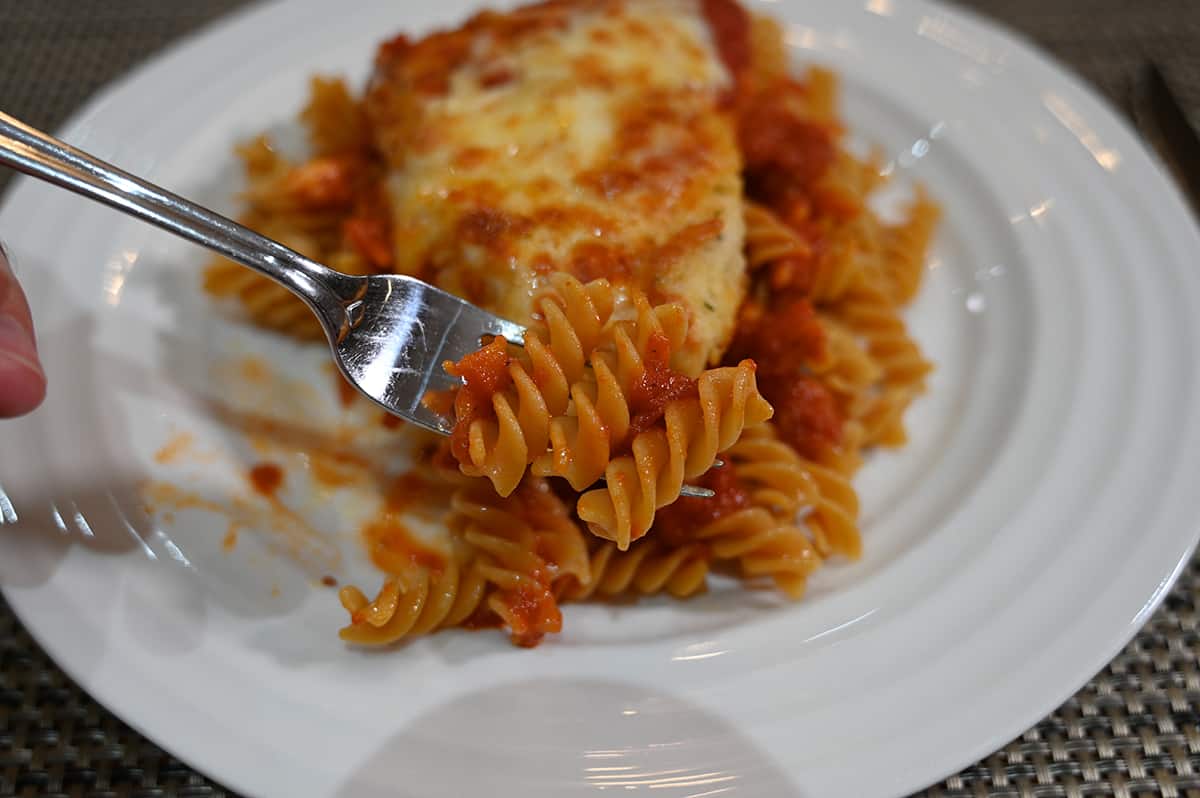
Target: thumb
x=22, y=381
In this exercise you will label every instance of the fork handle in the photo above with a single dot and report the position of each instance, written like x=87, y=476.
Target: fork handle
x=40, y=155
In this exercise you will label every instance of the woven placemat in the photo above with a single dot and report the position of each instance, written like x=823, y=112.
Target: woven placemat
x=1133, y=730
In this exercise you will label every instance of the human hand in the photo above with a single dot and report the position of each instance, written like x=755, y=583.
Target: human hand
x=22, y=381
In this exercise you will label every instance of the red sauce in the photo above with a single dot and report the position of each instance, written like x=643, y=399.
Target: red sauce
x=335, y=469
x=393, y=548
x=658, y=386
x=677, y=523
x=484, y=373
x=806, y=414
x=780, y=338
x=174, y=449
x=533, y=614
x=329, y=581
x=781, y=150
x=389, y=542
x=389, y=421
x=393, y=49
x=482, y=618
x=230, y=541
x=730, y=26
x=783, y=338
x=532, y=608
x=266, y=478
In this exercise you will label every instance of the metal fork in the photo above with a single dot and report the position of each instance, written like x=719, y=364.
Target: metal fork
x=389, y=333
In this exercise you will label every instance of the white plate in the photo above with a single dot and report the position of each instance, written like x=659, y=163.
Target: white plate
x=1039, y=515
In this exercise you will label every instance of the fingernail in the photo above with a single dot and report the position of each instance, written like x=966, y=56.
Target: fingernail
x=17, y=346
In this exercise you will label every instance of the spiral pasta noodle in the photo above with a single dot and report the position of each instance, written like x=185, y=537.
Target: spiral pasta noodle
x=646, y=568
x=772, y=244
x=785, y=483
x=542, y=380
x=573, y=432
x=694, y=433
x=870, y=313
x=507, y=555
x=603, y=412
x=905, y=245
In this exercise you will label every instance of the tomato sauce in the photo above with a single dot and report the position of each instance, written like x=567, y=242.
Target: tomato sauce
x=533, y=613
x=484, y=373
x=781, y=337
x=781, y=150
x=730, y=27
x=266, y=479
x=230, y=541
x=658, y=386
x=678, y=522
x=806, y=414
x=393, y=548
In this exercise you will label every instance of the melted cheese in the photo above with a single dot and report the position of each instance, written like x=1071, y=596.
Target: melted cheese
x=576, y=135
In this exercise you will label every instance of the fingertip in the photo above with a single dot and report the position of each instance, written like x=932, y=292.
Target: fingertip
x=22, y=385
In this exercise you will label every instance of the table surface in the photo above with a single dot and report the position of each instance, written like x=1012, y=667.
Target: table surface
x=1133, y=730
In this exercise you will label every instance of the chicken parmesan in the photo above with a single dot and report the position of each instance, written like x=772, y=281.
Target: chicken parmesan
x=581, y=137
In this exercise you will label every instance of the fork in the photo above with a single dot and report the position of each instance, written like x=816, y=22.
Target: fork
x=389, y=333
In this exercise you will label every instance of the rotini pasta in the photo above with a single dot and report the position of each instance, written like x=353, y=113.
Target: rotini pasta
x=905, y=245
x=511, y=399
x=870, y=313
x=633, y=264
x=693, y=434
x=786, y=483
x=507, y=554
x=586, y=388
x=648, y=567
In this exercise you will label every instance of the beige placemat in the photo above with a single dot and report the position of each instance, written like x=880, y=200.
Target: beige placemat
x=1133, y=730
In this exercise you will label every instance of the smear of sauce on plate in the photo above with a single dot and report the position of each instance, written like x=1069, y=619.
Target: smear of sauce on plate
x=176, y=448
x=229, y=542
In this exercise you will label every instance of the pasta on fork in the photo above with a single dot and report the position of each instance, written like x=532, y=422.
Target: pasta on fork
x=599, y=398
